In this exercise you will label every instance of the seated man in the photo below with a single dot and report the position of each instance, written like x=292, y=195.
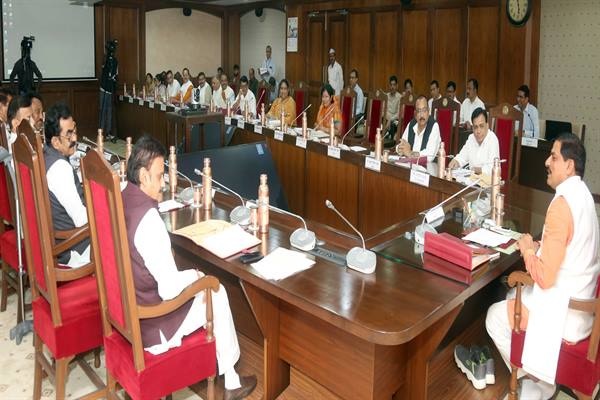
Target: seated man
x=185, y=91
x=224, y=94
x=481, y=147
x=531, y=118
x=19, y=109
x=451, y=91
x=392, y=113
x=37, y=112
x=6, y=96
x=156, y=277
x=205, y=94
x=252, y=82
x=564, y=264
x=173, y=86
x=359, y=103
x=64, y=186
x=245, y=98
x=471, y=103
x=421, y=138
x=434, y=90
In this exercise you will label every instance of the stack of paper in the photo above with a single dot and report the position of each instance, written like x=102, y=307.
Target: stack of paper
x=486, y=238
x=281, y=263
x=219, y=237
x=168, y=205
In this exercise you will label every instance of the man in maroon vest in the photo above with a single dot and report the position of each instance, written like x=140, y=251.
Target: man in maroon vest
x=157, y=278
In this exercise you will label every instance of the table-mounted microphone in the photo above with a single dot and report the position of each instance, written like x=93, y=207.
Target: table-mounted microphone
x=187, y=194
x=239, y=215
x=350, y=130
x=301, y=238
x=301, y=113
x=358, y=258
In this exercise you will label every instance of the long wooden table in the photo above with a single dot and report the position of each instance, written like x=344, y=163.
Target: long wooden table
x=361, y=336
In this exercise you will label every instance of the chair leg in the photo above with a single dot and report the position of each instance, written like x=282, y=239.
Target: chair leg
x=4, y=294
x=210, y=390
x=20, y=298
x=62, y=367
x=581, y=396
x=97, y=357
x=111, y=387
x=512, y=391
x=37, y=374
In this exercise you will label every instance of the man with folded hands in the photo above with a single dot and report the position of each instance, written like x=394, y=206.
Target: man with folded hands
x=421, y=138
x=156, y=277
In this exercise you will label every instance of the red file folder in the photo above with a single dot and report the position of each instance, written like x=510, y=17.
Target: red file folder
x=453, y=249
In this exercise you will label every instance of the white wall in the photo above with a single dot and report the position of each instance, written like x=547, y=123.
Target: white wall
x=256, y=33
x=570, y=73
x=174, y=41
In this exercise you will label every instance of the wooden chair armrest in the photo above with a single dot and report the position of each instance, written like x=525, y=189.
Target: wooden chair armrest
x=71, y=274
x=71, y=238
x=165, y=307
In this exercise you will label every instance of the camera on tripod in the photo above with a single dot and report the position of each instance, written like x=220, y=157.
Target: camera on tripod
x=27, y=42
x=111, y=45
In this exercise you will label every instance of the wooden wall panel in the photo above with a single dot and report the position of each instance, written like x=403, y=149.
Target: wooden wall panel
x=336, y=31
x=415, y=61
x=384, y=50
x=124, y=24
x=482, y=61
x=511, y=60
x=359, y=33
x=448, y=61
x=316, y=53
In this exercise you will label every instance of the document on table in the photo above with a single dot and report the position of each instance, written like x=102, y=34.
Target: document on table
x=169, y=205
x=219, y=237
x=486, y=238
x=282, y=263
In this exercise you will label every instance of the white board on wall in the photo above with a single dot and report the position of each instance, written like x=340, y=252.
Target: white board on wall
x=64, y=37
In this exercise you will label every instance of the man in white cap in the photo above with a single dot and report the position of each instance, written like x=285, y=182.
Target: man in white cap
x=335, y=75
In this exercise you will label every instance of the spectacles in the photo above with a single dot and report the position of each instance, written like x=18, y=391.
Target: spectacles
x=421, y=110
x=70, y=134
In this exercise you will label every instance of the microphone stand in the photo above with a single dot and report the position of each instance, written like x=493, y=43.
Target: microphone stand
x=301, y=112
x=301, y=238
x=350, y=130
x=183, y=195
x=239, y=215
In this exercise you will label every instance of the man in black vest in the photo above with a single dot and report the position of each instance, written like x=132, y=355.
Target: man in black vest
x=421, y=138
x=157, y=278
x=64, y=185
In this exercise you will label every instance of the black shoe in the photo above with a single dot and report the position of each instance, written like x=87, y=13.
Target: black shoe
x=484, y=356
x=248, y=384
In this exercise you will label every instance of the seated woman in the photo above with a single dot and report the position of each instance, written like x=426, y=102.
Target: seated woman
x=149, y=85
x=283, y=103
x=328, y=111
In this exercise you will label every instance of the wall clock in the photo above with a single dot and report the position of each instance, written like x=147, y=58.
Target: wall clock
x=518, y=11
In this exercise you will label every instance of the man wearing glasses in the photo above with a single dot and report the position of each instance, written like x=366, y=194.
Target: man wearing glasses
x=531, y=119
x=64, y=186
x=421, y=138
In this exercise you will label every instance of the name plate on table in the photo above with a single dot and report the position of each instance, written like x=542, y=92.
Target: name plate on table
x=333, y=151
x=241, y=124
x=227, y=120
x=373, y=164
x=141, y=102
x=120, y=97
x=107, y=155
x=258, y=129
x=131, y=99
x=163, y=107
x=151, y=104
x=419, y=177
x=301, y=142
x=529, y=142
x=279, y=136
x=434, y=214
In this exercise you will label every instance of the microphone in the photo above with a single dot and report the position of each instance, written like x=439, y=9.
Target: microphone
x=260, y=98
x=301, y=238
x=532, y=125
x=358, y=259
x=115, y=166
x=187, y=194
x=301, y=112
x=349, y=130
x=239, y=215
x=435, y=213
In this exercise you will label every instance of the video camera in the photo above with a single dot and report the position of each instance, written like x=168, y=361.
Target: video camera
x=111, y=45
x=27, y=42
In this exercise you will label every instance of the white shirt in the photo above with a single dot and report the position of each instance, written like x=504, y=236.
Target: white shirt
x=430, y=102
x=360, y=100
x=173, y=88
x=205, y=94
x=269, y=66
x=251, y=102
x=467, y=107
x=218, y=98
x=531, y=121
x=11, y=137
x=335, y=77
x=433, y=144
x=477, y=155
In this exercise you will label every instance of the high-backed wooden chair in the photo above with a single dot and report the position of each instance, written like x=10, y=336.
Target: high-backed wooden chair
x=376, y=107
x=347, y=108
x=300, y=95
x=578, y=364
x=407, y=111
x=66, y=310
x=262, y=96
x=141, y=374
x=507, y=124
x=446, y=112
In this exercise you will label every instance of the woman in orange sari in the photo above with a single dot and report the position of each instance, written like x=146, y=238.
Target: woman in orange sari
x=283, y=103
x=328, y=111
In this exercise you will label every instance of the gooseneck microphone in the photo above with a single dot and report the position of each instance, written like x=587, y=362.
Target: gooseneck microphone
x=358, y=258
x=301, y=112
x=187, y=194
x=239, y=215
x=301, y=238
x=350, y=130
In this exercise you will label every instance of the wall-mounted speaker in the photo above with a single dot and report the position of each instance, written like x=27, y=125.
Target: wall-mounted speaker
x=187, y=12
x=258, y=12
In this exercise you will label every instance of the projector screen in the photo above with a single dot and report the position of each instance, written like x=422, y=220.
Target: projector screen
x=64, y=36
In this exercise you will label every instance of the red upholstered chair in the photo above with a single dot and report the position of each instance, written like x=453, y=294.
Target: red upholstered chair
x=376, y=107
x=507, y=124
x=300, y=96
x=262, y=96
x=141, y=374
x=407, y=111
x=578, y=364
x=66, y=312
x=446, y=112
x=347, y=108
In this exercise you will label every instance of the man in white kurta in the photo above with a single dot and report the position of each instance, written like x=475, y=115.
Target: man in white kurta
x=481, y=147
x=185, y=91
x=471, y=103
x=563, y=265
x=531, y=118
x=156, y=276
x=205, y=91
x=245, y=99
x=224, y=94
x=335, y=75
x=421, y=137
x=173, y=85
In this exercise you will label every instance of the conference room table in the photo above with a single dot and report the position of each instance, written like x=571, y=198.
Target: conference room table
x=362, y=336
